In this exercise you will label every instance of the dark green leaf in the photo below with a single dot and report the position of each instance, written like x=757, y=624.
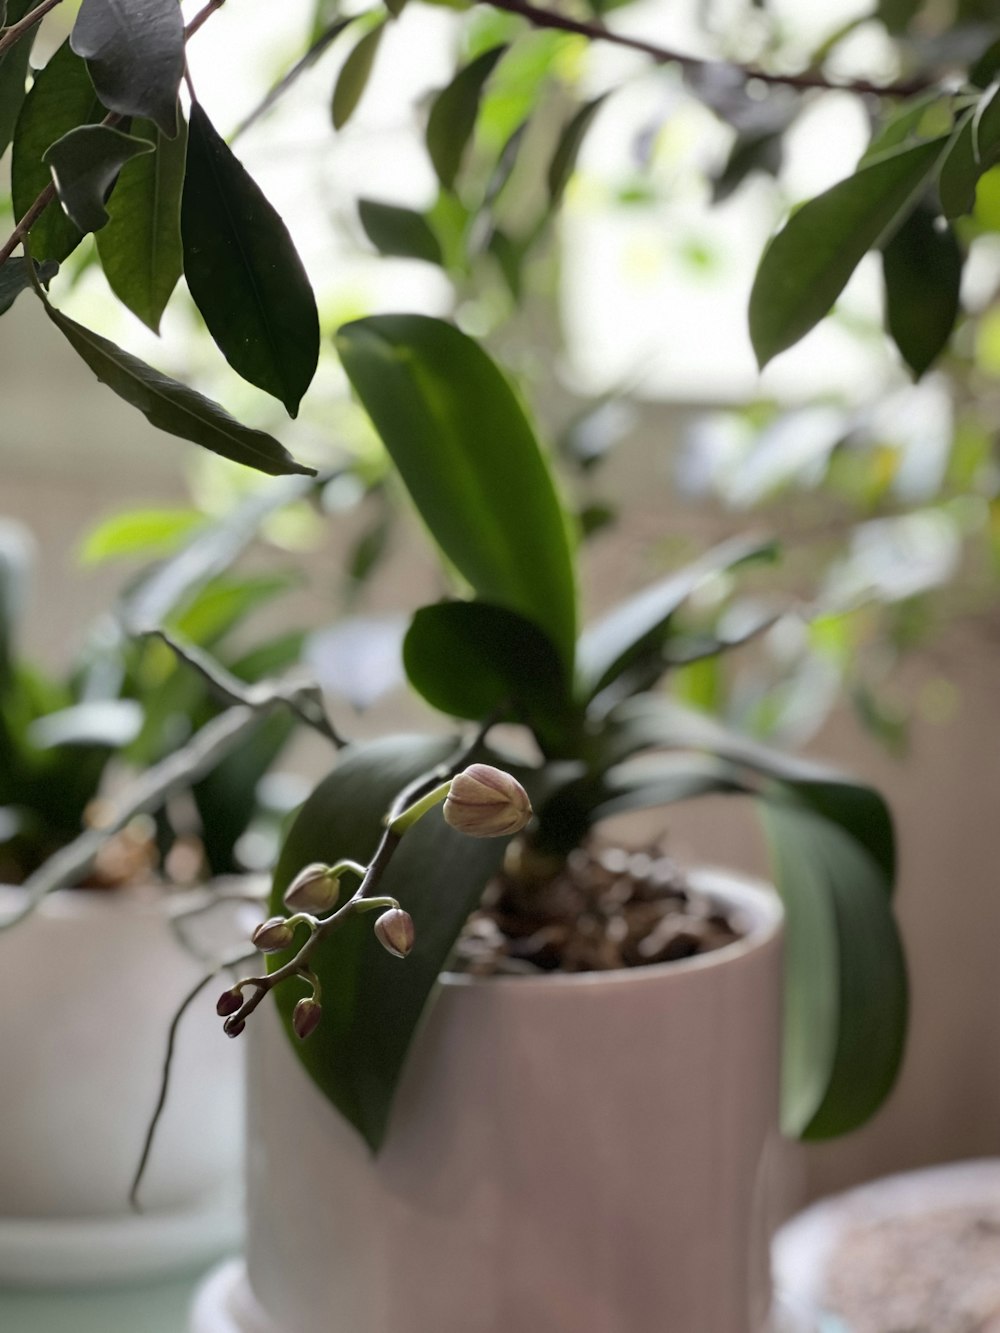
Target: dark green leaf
x=846, y=991
x=354, y=75
x=453, y=115
x=85, y=164
x=897, y=15
x=750, y=153
x=922, y=267
x=395, y=7
x=807, y=265
x=371, y=1001
x=568, y=149
x=399, y=231
x=974, y=148
x=243, y=271
x=471, y=660
x=904, y=124
x=172, y=406
x=61, y=98
x=135, y=54
x=640, y=626
x=987, y=67
x=15, y=277
x=140, y=248
x=470, y=460
x=510, y=256
x=14, y=71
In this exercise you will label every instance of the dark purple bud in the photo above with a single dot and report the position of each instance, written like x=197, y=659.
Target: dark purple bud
x=305, y=1018
x=233, y=1027
x=228, y=1002
x=272, y=935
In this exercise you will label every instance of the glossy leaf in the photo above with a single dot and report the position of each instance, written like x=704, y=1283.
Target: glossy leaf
x=85, y=164
x=568, y=148
x=354, y=75
x=974, y=148
x=372, y=1002
x=639, y=626
x=61, y=98
x=15, y=278
x=807, y=265
x=243, y=271
x=400, y=232
x=172, y=406
x=135, y=55
x=453, y=113
x=139, y=532
x=470, y=460
x=14, y=71
x=474, y=660
x=922, y=269
x=140, y=248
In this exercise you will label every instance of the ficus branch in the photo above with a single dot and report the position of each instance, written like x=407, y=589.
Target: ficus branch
x=8, y=36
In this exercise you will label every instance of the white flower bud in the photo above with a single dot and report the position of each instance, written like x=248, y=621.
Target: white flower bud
x=394, y=931
x=313, y=890
x=486, y=802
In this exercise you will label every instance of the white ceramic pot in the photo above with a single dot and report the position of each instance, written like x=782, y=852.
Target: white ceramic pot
x=88, y=986
x=580, y=1153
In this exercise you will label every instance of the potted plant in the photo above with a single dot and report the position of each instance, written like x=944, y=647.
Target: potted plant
x=580, y=1147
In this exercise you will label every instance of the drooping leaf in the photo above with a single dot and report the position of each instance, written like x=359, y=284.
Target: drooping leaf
x=470, y=460
x=474, y=660
x=61, y=98
x=15, y=277
x=568, y=149
x=354, y=75
x=135, y=54
x=453, y=115
x=974, y=148
x=399, y=231
x=371, y=1001
x=172, y=406
x=922, y=268
x=243, y=271
x=140, y=248
x=139, y=532
x=14, y=71
x=640, y=625
x=807, y=265
x=85, y=164
x=323, y=39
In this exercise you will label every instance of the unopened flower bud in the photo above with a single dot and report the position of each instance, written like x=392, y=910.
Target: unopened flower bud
x=394, y=931
x=228, y=1002
x=486, y=802
x=313, y=890
x=272, y=935
x=305, y=1018
x=233, y=1029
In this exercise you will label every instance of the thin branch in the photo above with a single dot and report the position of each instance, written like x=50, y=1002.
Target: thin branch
x=325, y=39
x=161, y=1100
x=8, y=36
x=202, y=17
x=804, y=81
x=27, y=222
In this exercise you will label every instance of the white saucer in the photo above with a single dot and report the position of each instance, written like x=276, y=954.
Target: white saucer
x=224, y=1303
x=96, y=1251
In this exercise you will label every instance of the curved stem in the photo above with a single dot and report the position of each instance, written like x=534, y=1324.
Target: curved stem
x=8, y=36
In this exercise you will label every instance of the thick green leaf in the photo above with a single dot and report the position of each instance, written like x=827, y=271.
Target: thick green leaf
x=640, y=626
x=922, y=268
x=974, y=148
x=172, y=406
x=61, y=98
x=243, y=271
x=905, y=123
x=372, y=1002
x=135, y=54
x=807, y=265
x=401, y=232
x=15, y=277
x=85, y=164
x=354, y=76
x=846, y=990
x=568, y=148
x=14, y=71
x=473, y=660
x=453, y=115
x=140, y=248
x=139, y=532
x=470, y=460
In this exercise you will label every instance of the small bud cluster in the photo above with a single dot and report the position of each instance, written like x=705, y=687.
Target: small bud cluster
x=486, y=802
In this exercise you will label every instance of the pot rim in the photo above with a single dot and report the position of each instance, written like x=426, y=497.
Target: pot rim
x=758, y=899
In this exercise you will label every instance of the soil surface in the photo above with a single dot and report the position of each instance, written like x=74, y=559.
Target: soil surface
x=936, y=1272
x=607, y=908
